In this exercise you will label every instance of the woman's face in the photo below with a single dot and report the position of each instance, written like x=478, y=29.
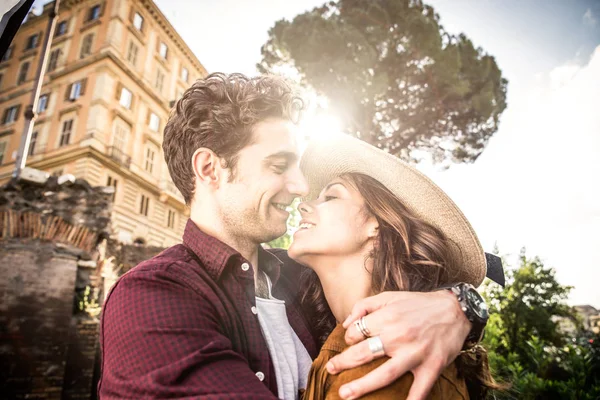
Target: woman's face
x=335, y=224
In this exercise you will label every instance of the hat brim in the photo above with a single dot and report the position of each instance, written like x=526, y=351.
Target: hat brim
x=328, y=158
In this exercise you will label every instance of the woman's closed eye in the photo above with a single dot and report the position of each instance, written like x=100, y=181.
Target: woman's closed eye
x=327, y=198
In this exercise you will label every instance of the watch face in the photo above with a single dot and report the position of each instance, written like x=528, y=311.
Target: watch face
x=478, y=304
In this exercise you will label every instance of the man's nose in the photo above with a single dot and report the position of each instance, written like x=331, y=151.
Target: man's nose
x=297, y=184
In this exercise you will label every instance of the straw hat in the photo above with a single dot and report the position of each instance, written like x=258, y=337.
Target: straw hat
x=328, y=158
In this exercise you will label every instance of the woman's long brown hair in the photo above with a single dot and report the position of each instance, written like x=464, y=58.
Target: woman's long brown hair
x=410, y=255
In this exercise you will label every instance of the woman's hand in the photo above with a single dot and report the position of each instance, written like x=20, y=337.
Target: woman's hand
x=421, y=333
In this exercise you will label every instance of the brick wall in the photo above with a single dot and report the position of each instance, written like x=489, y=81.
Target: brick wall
x=37, y=282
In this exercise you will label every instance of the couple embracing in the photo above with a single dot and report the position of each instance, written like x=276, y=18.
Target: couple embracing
x=375, y=298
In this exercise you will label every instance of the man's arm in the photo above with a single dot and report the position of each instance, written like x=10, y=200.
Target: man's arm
x=421, y=332
x=160, y=339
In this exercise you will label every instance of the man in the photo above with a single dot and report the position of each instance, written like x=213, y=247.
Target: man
x=187, y=323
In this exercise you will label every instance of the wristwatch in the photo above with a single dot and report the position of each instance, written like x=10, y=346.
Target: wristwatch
x=475, y=309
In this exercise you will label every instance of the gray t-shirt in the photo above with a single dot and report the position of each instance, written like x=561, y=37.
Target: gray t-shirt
x=290, y=358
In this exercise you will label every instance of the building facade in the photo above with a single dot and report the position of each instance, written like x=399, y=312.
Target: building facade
x=114, y=70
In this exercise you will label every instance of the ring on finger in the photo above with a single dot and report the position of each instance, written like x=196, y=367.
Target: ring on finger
x=376, y=346
x=361, y=325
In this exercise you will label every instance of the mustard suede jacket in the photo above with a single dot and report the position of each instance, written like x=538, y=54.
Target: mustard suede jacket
x=323, y=386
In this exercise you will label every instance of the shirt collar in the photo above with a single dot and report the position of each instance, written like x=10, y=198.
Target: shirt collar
x=215, y=255
x=270, y=263
x=212, y=253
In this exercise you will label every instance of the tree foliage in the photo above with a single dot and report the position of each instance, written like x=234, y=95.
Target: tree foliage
x=527, y=348
x=394, y=76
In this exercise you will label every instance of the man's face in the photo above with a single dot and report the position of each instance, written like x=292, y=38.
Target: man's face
x=267, y=179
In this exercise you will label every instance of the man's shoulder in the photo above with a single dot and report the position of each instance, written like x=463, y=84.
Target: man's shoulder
x=174, y=257
x=175, y=264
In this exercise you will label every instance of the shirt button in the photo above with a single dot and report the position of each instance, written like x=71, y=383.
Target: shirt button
x=254, y=310
x=260, y=376
x=245, y=267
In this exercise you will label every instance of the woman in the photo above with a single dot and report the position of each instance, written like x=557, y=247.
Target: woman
x=376, y=224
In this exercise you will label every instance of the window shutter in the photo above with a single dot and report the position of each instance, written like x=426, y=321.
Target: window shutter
x=118, y=93
x=68, y=93
x=157, y=45
x=83, y=85
x=102, y=7
x=131, y=14
x=148, y=117
x=18, y=112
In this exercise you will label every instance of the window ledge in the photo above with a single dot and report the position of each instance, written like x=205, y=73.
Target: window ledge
x=163, y=62
x=90, y=24
x=152, y=137
x=8, y=131
x=28, y=53
x=68, y=109
x=140, y=35
x=60, y=39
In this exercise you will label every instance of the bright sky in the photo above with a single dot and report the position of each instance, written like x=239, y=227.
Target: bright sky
x=537, y=183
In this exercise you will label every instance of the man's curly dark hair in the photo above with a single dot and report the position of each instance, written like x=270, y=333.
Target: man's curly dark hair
x=218, y=113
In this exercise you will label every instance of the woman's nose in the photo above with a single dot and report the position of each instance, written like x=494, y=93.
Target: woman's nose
x=304, y=207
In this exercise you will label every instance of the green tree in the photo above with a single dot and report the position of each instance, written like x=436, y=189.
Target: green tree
x=394, y=76
x=530, y=305
x=526, y=346
x=284, y=241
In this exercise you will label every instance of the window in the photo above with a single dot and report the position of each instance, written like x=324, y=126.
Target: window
x=120, y=137
x=86, y=46
x=138, y=21
x=11, y=114
x=76, y=90
x=3, y=146
x=145, y=201
x=32, y=143
x=160, y=79
x=132, y=53
x=184, y=74
x=42, y=103
x=61, y=29
x=94, y=13
x=7, y=54
x=154, y=122
x=149, y=161
x=23, y=73
x=65, y=135
x=163, y=50
x=171, y=219
x=32, y=41
x=126, y=98
x=114, y=183
x=53, y=62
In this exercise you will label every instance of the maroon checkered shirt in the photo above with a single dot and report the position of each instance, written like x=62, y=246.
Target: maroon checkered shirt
x=183, y=324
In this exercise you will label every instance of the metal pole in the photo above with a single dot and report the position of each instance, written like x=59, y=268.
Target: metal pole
x=30, y=112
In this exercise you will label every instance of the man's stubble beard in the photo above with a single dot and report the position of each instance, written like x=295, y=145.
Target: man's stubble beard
x=247, y=225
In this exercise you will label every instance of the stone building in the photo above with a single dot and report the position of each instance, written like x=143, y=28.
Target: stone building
x=114, y=70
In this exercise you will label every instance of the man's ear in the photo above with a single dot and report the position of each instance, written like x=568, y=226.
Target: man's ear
x=207, y=166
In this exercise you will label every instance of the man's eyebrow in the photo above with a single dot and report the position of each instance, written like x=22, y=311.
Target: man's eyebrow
x=289, y=156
